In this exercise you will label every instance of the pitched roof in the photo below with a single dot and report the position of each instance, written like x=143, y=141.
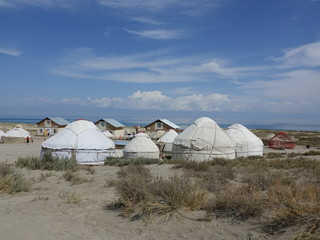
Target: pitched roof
x=171, y=124
x=58, y=120
x=113, y=122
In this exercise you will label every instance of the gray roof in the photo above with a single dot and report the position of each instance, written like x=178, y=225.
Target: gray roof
x=171, y=124
x=113, y=122
x=59, y=120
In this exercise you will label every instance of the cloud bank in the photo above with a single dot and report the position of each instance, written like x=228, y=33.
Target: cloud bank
x=215, y=102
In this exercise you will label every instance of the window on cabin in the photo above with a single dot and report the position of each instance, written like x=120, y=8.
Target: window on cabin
x=102, y=124
x=159, y=125
x=48, y=122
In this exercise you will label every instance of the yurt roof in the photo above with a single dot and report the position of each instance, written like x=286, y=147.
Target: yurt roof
x=169, y=136
x=242, y=135
x=108, y=134
x=2, y=133
x=141, y=143
x=157, y=134
x=80, y=134
x=17, y=132
x=204, y=134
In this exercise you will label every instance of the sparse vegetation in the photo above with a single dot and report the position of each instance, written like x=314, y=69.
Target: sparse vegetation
x=71, y=197
x=12, y=181
x=75, y=178
x=145, y=196
x=48, y=162
x=44, y=176
x=120, y=162
x=284, y=191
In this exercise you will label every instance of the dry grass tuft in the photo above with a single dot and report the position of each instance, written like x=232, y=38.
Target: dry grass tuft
x=12, y=181
x=47, y=163
x=147, y=196
x=296, y=205
x=71, y=197
x=239, y=203
x=75, y=178
x=121, y=162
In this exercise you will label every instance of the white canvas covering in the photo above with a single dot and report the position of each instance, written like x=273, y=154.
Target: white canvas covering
x=167, y=140
x=247, y=143
x=202, y=141
x=141, y=146
x=17, y=132
x=1, y=134
x=108, y=134
x=83, y=140
x=157, y=134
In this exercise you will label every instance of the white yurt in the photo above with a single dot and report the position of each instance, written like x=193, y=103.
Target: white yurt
x=1, y=134
x=167, y=140
x=16, y=135
x=202, y=141
x=80, y=139
x=247, y=143
x=157, y=134
x=141, y=146
x=17, y=132
x=108, y=134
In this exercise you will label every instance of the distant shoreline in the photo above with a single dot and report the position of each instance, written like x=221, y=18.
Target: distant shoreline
x=272, y=127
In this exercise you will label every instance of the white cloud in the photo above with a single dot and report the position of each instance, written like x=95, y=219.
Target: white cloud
x=189, y=6
x=11, y=52
x=39, y=3
x=147, y=20
x=160, y=34
x=297, y=85
x=215, y=102
x=304, y=56
x=157, y=66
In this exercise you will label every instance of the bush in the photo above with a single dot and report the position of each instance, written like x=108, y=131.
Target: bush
x=148, y=196
x=296, y=205
x=120, y=162
x=48, y=162
x=12, y=181
x=290, y=163
x=75, y=178
x=239, y=203
x=71, y=197
x=213, y=178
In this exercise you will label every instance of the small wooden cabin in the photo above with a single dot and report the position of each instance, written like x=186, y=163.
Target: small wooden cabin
x=161, y=124
x=51, y=125
x=111, y=125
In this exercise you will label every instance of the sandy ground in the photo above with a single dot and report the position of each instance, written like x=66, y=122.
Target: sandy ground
x=46, y=212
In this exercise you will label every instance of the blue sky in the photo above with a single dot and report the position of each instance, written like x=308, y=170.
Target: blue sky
x=237, y=61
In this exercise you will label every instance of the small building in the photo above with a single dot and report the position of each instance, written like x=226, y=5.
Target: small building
x=113, y=126
x=51, y=125
x=161, y=124
x=281, y=140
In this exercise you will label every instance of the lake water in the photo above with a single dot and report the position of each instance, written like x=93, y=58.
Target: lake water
x=273, y=126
